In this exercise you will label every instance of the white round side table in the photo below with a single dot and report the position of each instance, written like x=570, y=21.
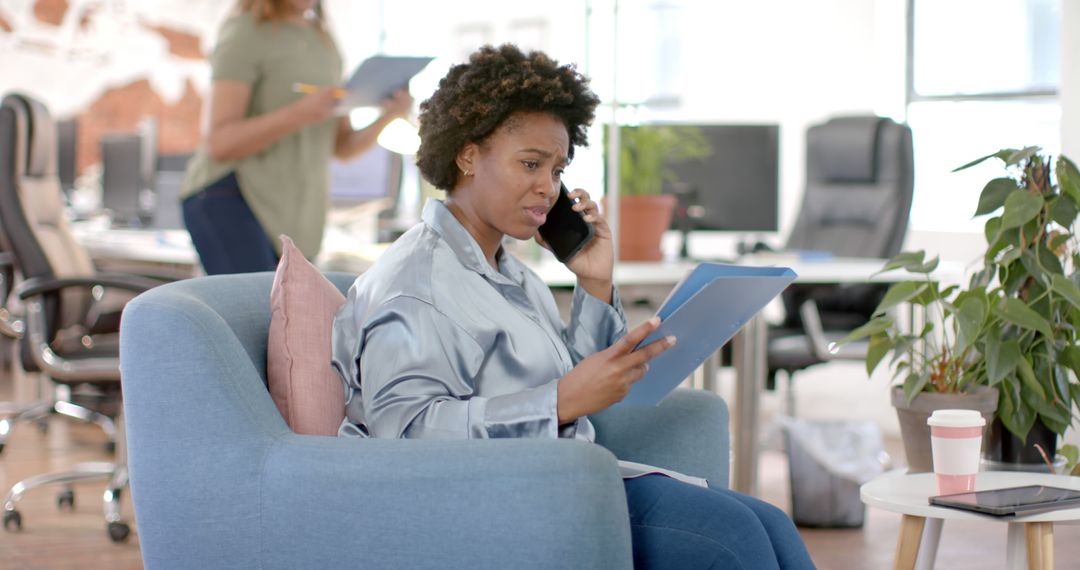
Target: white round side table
x=920, y=529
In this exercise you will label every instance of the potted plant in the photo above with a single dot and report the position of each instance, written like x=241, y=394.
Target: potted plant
x=645, y=212
x=1013, y=329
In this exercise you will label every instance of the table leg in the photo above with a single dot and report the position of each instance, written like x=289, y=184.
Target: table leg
x=907, y=547
x=1014, y=548
x=1040, y=545
x=749, y=359
x=928, y=546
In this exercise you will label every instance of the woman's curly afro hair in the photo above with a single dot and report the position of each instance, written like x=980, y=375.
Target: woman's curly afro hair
x=476, y=97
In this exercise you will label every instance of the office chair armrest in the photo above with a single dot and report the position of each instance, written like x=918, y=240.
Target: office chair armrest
x=334, y=503
x=7, y=260
x=38, y=285
x=687, y=432
x=819, y=342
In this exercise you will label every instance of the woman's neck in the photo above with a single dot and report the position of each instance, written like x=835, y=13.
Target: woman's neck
x=486, y=237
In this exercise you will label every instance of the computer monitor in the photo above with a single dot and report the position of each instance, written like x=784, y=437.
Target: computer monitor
x=736, y=188
x=373, y=175
x=168, y=181
x=66, y=153
x=123, y=182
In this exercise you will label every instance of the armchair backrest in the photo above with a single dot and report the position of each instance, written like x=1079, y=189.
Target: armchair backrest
x=32, y=218
x=859, y=182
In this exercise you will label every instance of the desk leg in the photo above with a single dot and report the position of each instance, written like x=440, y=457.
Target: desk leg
x=749, y=355
x=708, y=383
x=907, y=547
x=1040, y=545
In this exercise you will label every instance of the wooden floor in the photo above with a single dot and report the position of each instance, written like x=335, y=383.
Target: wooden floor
x=54, y=539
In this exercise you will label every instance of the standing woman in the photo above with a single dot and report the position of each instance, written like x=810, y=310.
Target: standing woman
x=263, y=167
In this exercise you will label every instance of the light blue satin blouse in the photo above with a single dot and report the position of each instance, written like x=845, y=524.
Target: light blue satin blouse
x=433, y=342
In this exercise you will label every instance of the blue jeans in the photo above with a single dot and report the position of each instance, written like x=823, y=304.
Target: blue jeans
x=225, y=232
x=680, y=526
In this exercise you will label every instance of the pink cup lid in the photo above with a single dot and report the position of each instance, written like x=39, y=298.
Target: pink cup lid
x=956, y=418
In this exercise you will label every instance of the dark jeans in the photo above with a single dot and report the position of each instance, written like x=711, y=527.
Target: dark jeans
x=227, y=236
x=680, y=526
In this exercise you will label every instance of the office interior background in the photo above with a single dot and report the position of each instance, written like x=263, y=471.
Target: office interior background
x=969, y=77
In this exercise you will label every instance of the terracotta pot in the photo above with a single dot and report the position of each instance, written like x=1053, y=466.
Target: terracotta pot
x=642, y=222
x=915, y=432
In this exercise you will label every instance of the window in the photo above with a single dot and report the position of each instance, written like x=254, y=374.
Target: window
x=982, y=75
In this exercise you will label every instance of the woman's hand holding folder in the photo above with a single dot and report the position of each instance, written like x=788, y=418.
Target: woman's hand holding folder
x=605, y=378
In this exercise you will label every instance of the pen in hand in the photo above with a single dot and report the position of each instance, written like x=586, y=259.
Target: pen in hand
x=339, y=93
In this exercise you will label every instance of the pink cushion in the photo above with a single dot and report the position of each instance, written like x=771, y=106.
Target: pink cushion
x=307, y=391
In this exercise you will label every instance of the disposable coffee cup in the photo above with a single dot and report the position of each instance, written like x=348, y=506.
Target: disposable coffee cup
x=956, y=442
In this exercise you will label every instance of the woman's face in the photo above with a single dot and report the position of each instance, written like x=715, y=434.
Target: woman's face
x=515, y=176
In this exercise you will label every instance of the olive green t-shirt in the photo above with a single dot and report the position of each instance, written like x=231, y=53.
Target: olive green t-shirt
x=287, y=184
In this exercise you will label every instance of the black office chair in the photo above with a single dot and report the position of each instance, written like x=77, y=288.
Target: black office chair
x=859, y=183
x=71, y=312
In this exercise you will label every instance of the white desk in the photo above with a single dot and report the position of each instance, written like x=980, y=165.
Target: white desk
x=920, y=530
x=749, y=343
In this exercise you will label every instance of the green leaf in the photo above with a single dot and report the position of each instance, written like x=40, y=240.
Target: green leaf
x=1066, y=288
x=1016, y=312
x=904, y=259
x=1021, y=419
x=1028, y=380
x=994, y=194
x=1021, y=155
x=1048, y=260
x=1068, y=178
x=992, y=233
x=914, y=383
x=1002, y=361
x=1070, y=453
x=878, y=348
x=899, y=293
x=1002, y=154
x=1063, y=211
x=970, y=318
x=876, y=325
x=1058, y=240
x=1020, y=208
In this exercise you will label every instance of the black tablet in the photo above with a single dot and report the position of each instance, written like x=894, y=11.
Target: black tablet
x=1012, y=500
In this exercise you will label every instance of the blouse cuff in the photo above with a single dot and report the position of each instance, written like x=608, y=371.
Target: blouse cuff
x=529, y=413
x=597, y=319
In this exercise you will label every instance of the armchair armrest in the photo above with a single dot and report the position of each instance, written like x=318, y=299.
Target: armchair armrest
x=819, y=342
x=37, y=286
x=48, y=360
x=686, y=432
x=439, y=504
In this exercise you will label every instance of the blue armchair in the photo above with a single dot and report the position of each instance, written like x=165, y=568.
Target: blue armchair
x=218, y=480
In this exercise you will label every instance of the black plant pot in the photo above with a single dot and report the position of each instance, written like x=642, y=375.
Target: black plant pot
x=1004, y=447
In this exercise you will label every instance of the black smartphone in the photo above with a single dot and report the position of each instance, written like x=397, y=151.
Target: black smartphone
x=565, y=230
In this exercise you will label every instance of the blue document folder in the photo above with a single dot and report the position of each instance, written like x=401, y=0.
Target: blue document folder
x=704, y=311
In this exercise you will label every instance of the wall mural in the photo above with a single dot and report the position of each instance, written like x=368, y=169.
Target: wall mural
x=113, y=63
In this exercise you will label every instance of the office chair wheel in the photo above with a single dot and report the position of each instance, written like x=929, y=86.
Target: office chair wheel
x=12, y=521
x=66, y=498
x=118, y=531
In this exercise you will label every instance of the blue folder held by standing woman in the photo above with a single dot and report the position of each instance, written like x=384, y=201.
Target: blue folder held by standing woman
x=703, y=312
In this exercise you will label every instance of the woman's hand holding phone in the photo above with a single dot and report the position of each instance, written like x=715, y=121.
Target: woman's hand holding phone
x=592, y=264
x=605, y=378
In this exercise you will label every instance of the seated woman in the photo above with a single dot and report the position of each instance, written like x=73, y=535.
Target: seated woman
x=450, y=336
